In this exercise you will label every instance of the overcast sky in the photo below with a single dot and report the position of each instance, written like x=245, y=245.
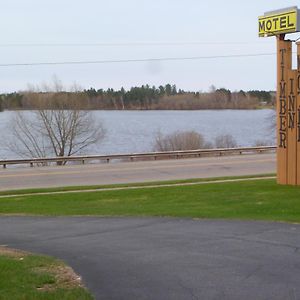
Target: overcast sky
x=137, y=29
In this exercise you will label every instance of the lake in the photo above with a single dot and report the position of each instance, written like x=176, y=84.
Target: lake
x=135, y=131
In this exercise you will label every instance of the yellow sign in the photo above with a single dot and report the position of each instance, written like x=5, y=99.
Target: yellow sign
x=278, y=23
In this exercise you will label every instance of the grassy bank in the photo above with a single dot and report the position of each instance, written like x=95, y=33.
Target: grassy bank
x=141, y=184
x=25, y=276
x=253, y=199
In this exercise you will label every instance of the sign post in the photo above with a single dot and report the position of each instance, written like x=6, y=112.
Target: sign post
x=278, y=23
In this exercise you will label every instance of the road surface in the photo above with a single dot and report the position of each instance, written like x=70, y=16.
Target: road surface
x=128, y=172
x=168, y=258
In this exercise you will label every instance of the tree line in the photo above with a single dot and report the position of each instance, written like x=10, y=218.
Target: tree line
x=141, y=98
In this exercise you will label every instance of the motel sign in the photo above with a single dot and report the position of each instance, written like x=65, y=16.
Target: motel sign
x=279, y=23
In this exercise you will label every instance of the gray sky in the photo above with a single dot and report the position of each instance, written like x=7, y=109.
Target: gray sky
x=137, y=29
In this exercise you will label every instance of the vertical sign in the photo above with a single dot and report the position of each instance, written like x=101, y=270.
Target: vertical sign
x=298, y=114
x=291, y=128
x=284, y=62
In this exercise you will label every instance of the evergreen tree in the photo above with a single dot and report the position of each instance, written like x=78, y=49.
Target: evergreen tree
x=168, y=89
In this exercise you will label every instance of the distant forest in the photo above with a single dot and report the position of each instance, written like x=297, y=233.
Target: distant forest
x=166, y=97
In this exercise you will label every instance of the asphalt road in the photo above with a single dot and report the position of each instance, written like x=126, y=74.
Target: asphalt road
x=127, y=172
x=164, y=258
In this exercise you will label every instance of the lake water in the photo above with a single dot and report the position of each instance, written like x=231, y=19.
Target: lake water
x=135, y=131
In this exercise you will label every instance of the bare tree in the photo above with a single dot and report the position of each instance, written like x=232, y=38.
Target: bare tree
x=262, y=143
x=225, y=141
x=58, y=127
x=186, y=140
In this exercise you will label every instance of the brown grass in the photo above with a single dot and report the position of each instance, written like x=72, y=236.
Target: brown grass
x=14, y=253
x=65, y=277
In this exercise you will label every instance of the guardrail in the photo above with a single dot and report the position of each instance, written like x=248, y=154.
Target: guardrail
x=133, y=156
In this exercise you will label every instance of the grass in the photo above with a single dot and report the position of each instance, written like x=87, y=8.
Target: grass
x=249, y=200
x=25, y=276
x=142, y=184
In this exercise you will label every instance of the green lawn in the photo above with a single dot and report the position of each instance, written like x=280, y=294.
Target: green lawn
x=30, y=277
x=254, y=199
x=100, y=187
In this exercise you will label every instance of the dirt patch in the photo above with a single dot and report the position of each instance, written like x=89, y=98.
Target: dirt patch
x=65, y=277
x=14, y=253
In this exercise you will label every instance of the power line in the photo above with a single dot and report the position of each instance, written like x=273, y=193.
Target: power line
x=134, y=60
x=191, y=43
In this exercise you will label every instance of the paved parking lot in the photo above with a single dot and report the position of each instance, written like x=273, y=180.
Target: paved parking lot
x=168, y=258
